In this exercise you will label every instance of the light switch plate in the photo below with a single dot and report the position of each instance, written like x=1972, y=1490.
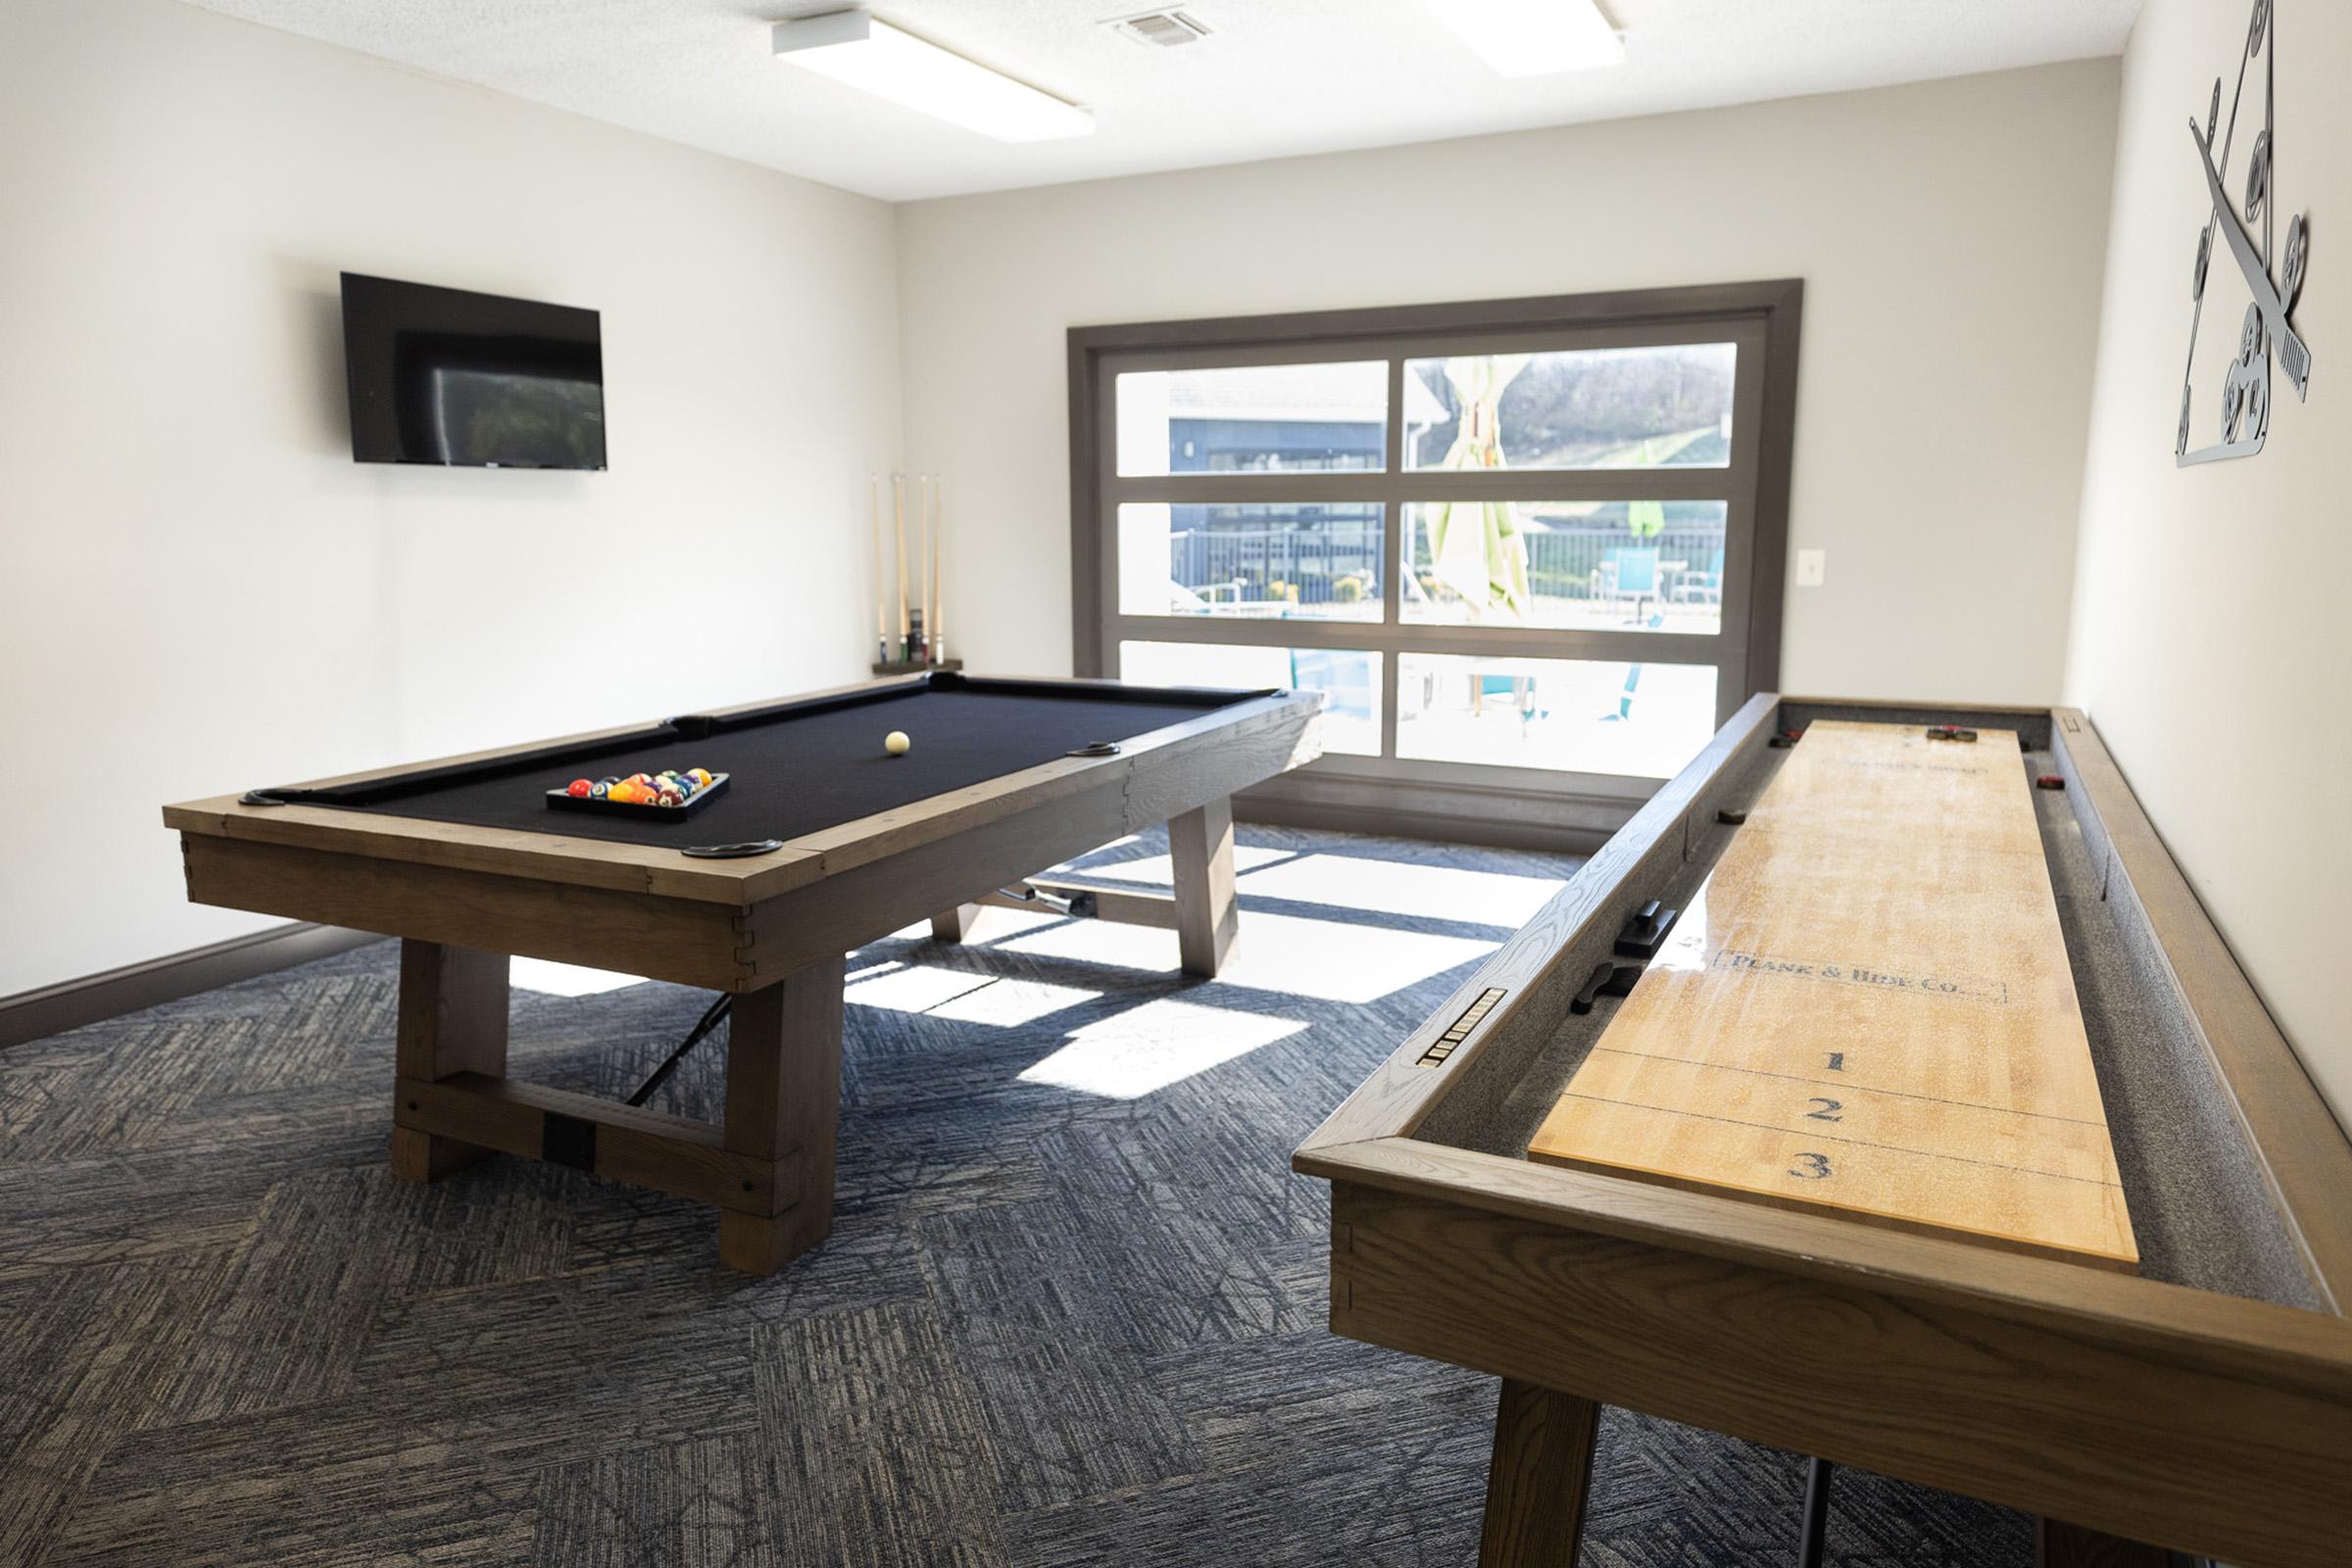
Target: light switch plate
x=1812, y=567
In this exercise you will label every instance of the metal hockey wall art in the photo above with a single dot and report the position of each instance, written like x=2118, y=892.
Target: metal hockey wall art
x=2245, y=389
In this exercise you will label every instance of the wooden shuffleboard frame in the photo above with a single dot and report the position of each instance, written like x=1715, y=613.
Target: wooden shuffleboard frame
x=2149, y=1412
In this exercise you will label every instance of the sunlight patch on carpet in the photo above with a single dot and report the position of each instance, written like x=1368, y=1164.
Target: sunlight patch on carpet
x=551, y=979
x=1147, y=1049
x=1330, y=960
x=1405, y=887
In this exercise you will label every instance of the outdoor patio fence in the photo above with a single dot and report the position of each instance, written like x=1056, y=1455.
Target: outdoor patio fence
x=1337, y=562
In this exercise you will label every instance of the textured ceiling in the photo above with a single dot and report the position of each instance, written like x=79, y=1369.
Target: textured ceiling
x=1277, y=78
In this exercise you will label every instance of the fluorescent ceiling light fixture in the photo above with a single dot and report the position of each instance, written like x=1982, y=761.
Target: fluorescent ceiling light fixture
x=852, y=47
x=1534, y=38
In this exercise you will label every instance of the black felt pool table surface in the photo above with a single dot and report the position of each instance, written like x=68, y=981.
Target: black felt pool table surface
x=803, y=769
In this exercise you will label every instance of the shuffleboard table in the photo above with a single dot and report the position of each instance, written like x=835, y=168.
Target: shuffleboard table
x=820, y=843
x=1882, y=1093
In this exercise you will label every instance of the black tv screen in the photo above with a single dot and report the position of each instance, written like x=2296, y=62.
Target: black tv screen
x=470, y=380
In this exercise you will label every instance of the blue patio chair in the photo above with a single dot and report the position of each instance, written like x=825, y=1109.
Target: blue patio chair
x=1343, y=679
x=1631, y=574
x=1702, y=587
x=1519, y=689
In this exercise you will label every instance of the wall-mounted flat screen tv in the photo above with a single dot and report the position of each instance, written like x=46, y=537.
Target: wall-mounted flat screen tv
x=445, y=376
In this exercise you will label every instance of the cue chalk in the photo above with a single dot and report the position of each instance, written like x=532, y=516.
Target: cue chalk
x=732, y=852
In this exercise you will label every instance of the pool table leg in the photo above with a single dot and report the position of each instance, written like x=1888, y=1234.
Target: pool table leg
x=1200, y=849
x=783, y=1102
x=453, y=1019
x=953, y=925
x=1537, y=1479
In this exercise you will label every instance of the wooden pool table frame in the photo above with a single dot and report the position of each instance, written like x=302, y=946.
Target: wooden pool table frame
x=2120, y=1409
x=772, y=930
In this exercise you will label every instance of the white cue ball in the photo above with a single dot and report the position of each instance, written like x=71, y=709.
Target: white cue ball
x=896, y=743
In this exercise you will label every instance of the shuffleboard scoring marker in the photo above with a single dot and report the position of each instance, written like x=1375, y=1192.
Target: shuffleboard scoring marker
x=1459, y=1030
x=1644, y=930
x=1608, y=980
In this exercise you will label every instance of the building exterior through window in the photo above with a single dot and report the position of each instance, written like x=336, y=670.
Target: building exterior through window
x=1520, y=561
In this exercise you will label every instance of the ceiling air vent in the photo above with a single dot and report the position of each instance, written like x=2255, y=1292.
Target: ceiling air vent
x=1160, y=30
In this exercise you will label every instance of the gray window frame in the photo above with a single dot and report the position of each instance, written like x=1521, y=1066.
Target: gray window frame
x=1763, y=318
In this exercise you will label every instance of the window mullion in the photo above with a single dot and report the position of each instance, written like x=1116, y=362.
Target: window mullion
x=1675, y=570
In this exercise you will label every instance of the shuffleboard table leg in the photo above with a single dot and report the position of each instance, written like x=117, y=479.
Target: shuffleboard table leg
x=954, y=924
x=783, y=1104
x=1200, y=849
x=453, y=1019
x=1537, y=1482
x=2059, y=1544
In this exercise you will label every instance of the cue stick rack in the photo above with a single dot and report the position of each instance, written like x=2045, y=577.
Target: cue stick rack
x=918, y=644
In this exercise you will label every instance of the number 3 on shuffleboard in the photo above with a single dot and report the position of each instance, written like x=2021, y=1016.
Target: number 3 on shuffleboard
x=1811, y=1168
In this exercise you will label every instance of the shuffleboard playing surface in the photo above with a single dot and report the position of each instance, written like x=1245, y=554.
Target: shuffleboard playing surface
x=1867, y=1008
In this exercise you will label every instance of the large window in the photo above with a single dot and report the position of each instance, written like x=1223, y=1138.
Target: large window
x=1525, y=547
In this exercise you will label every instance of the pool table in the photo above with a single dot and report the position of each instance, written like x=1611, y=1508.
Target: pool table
x=821, y=842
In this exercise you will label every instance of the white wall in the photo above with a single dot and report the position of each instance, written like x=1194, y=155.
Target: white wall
x=2211, y=635
x=1949, y=236
x=200, y=591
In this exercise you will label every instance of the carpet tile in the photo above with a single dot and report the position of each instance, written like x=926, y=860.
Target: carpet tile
x=1071, y=1314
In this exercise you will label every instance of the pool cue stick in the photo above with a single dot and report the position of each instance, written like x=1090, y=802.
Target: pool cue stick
x=898, y=493
x=939, y=594
x=874, y=485
x=922, y=587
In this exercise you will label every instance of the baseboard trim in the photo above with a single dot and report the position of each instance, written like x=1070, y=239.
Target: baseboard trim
x=1438, y=827
x=1555, y=820
x=37, y=1014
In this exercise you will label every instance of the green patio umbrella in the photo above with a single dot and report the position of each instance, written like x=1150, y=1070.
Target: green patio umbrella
x=1476, y=546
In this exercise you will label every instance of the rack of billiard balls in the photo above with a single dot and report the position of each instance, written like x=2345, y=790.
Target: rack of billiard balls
x=670, y=794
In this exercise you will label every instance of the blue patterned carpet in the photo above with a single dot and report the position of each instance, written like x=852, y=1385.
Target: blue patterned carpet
x=1071, y=1311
